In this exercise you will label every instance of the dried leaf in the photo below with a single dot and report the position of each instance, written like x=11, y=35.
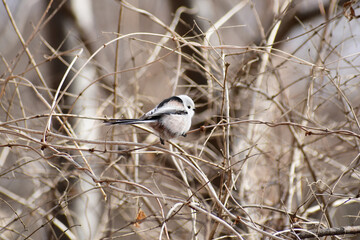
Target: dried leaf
x=139, y=217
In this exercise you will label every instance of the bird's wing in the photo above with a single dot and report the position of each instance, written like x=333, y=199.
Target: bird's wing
x=158, y=112
x=171, y=105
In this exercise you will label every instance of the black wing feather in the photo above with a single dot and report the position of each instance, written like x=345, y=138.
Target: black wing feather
x=173, y=98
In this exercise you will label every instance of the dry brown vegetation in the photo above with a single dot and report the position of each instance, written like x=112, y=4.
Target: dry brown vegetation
x=273, y=152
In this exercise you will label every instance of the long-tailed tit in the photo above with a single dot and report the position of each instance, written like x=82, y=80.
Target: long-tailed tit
x=170, y=119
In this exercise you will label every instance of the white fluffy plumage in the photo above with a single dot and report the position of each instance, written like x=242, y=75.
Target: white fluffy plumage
x=170, y=119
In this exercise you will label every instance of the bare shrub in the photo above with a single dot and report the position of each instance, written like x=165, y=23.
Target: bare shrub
x=273, y=152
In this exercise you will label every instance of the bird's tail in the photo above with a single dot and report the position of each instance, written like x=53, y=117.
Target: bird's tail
x=126, y=121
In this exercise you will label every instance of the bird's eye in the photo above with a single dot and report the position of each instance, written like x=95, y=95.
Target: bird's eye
x=189, y=107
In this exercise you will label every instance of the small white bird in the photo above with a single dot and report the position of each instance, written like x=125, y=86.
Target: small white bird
x=170, y=119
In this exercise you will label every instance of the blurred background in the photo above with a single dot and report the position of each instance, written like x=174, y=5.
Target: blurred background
x=273, y=152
